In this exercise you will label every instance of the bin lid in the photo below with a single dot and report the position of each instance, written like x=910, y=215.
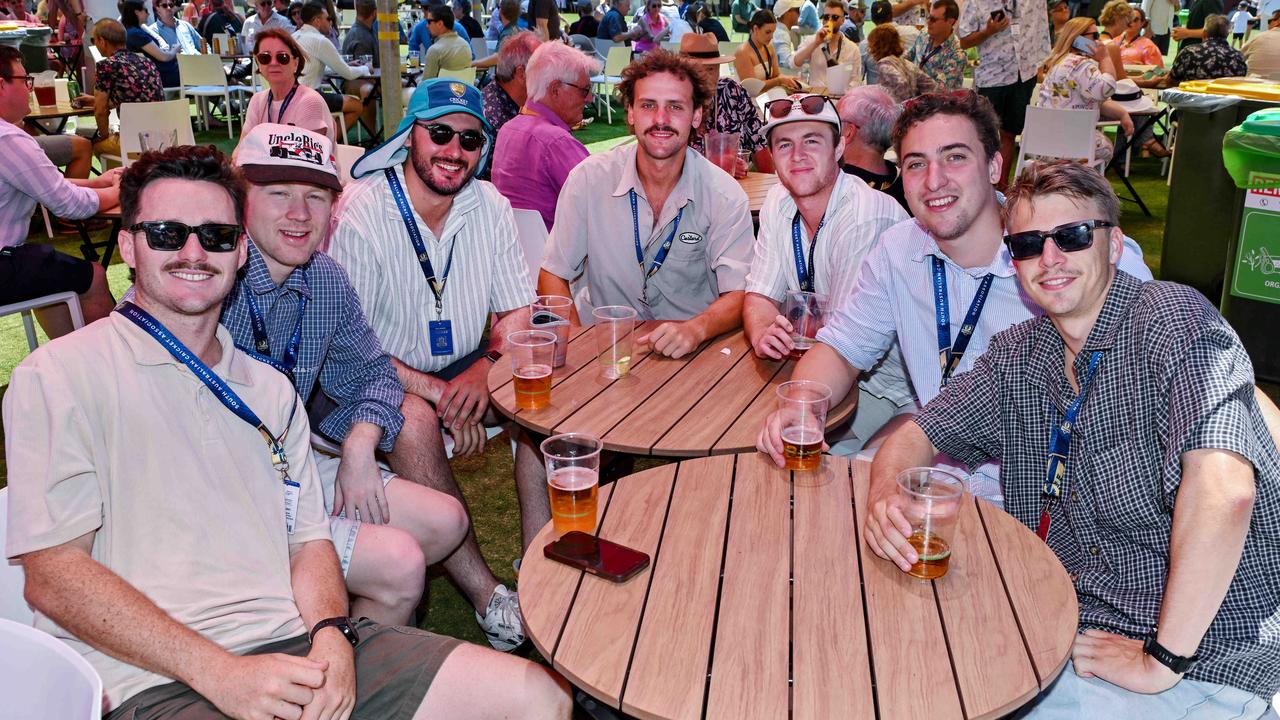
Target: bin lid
x=1263, y=122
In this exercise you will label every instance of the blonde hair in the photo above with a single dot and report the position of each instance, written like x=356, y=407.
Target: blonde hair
x=1073, y=29
x=1115, y=11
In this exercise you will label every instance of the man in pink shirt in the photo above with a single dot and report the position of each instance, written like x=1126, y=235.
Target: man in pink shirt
x=535, y=150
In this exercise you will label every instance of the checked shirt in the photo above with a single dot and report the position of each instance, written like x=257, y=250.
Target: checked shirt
x=1173, y=378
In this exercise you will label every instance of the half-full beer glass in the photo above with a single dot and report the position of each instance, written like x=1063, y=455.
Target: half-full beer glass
x=802, y=407
x=531, y=353
x=930, y=500
x=573, y=480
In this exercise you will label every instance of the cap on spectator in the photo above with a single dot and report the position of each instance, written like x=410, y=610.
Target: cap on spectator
x=783, y=6
x=273, y=153
x=434, y=98
x=881, y=11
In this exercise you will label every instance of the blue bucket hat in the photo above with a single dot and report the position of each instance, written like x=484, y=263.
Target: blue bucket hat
x=434, y=98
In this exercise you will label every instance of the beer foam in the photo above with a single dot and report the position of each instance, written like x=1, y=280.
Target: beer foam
x=573, y=478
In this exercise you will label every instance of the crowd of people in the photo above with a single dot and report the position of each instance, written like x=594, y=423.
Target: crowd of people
x=285, y=384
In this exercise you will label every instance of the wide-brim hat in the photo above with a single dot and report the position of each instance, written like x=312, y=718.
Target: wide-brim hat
x=1130, y=97
x=702, y=48
x=272, y=153
x=434, y=98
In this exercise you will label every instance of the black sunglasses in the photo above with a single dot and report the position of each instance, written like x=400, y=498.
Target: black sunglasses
x=1072, y=237
x=1091, y=35
x=832, y=18
x=171, y=236
x=282, y=58
x=809, y=105
x=469, y=140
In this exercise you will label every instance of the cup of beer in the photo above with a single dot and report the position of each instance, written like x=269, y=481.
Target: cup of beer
x=805, y=311
x=930, y=500
x=573, y=480
x=802, y=408
x=615, y=328
x=531, y=353
x=551, y=313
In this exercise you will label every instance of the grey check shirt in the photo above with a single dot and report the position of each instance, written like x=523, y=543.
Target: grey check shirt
x=1173, y=378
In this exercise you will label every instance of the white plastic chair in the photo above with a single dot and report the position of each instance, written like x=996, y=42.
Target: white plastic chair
x=614, y=63
x=345, y=156
x=1058, y=134
x=202, y=77
x=533, y=236
x=42, y=677
x=13, y=606
x=466, y=75
x=159, y=117
x=70, y=299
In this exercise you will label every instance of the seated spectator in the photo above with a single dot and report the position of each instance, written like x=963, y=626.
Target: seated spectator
x=740, y=12
x=229, y=585
x=807, y=22
x=448, y=50
x=1207, y=60
x=785, y=37
x=732, y=110
x=758, y=58
x=221, y=19
x=321, y=57
x=937, y=51
x=504, y=97
x=295, y=15
x=122, y=77
x=512, y=22
x=362, y=37
x=73, y=153
x=867, y=115
x=703, y=21
x=900, y=77
x=852, y=27
x=28, y=178
x=535, y=150
x=613, y=26
x=174, y=33
x=1262, y=53
x=17, y=10
x=654, y=28
x=265, y=18
x=285, y=101
x=133, y=15
x=462, y=17
x=1136, y=47
x=586, y=25
x=1114, y=20
x=882, y=16
x=829, y=48
x=1076, y=80
x=420, y=37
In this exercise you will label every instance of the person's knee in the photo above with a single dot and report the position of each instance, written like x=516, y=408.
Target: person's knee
x=402, y=569
x=81, y=147
x=549, y=695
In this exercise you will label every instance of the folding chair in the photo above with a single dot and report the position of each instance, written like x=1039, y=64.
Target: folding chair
x=203, y=77
x=1058, y=134
x=480, y=48
x=156, y=117
x=532, y=234
x=70, y=299
x=614, y=63
x=13, y=606
x=42, y=677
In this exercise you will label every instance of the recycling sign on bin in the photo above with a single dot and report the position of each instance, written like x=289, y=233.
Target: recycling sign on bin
x=1257, y=271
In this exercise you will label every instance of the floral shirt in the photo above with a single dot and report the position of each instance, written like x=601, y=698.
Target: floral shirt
x=1013, y=54
x=734, y=111
x=1077, y=83
x=944, y=63
x=1209, y=60
x=127, y=77
x=498, y=106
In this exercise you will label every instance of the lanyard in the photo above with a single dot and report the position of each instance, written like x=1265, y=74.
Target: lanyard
x=929, y=53
x=949, y=355
x=661, y=256
x=807, y=274
x=284, y=105
x=262, y=343
x=1060, y=447
x=826, y=52
x=768, y=69
x=415, y=237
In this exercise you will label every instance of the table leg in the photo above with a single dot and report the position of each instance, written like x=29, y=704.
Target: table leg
x=1122, y=145
x=88, y=248
x=86, y=245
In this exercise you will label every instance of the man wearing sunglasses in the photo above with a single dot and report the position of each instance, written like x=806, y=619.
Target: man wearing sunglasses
x=432, y=252
x=654, y=225
x=265, y=17
x=1133, y=444
x=829, y=48
x=173, y=31
x=814, y=231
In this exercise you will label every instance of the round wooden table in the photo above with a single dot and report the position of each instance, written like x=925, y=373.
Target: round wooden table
x=709, y=402
x=763, y=601
x=757, y=186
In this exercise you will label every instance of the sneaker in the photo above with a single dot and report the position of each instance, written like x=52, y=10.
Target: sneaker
x=502, y=623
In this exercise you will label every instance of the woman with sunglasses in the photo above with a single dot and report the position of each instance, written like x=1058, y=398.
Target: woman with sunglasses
x=654, y=26
x=1136, y=48
x=1080, y=74
x=133, y=15
x=758, y=59
x=285, y=101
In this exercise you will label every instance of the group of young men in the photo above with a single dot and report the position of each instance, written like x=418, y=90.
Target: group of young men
x=194, y=463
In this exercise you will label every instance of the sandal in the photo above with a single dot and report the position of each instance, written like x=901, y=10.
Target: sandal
x=1154, y=147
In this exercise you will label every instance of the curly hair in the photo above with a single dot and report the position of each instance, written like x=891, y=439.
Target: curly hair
x=202, y=163
x=294, y=49
x=1115, y=11
x=884, y=41
x=965, y=103
x=661, y=61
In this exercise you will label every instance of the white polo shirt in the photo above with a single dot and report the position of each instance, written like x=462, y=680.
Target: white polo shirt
x=489, y=273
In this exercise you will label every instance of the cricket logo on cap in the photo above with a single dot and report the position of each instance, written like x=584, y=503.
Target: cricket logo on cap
x=458, y=89
x=296, y=146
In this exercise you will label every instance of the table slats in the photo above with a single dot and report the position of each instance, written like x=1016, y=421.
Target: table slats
x=752, y=648
x=576, y=358
x=903, y=621
x=744, y=429
x=621, y=397
x=718, y=408
x=828, y=633
x=668, y=677
x=595, y=647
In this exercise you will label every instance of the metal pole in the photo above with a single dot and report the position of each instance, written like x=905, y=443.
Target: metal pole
x=389, y=61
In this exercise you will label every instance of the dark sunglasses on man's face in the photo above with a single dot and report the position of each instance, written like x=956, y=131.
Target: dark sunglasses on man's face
x=282, y=58
x=833, y=18
x=165, y=5
x=1071, y=237
x=171, y=236
x=441, y=134
x=809, y=105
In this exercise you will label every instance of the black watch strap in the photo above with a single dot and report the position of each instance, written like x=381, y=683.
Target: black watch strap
x=343, y=624
x=1176, y=663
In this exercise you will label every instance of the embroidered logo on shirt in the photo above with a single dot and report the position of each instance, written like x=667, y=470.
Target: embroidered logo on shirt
x=690, y=238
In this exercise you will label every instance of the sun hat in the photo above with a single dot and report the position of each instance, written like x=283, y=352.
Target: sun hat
x=434, y=98
x=702, y=48
x=1130, y=97
x=272, y=153
x=827, y=114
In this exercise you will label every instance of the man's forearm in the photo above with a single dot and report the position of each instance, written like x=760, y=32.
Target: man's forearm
x=552, y=284
x=362, y=439
x=823, y=364
x=316, y=578
x=1210, y=521
x=908, y=446
x=721, y=316
x=506, y=323
x=974, y=39
x=419, y=383
x=758, y=313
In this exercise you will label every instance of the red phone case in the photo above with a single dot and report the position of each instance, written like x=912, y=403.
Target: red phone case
x=601, y=558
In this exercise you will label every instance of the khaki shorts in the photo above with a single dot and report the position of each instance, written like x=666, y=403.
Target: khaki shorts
x=342, y=529
x=394, y=668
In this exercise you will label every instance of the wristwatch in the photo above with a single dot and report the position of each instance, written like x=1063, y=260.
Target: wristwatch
x=493, y=356
x=1176, y=663
x=343, y=624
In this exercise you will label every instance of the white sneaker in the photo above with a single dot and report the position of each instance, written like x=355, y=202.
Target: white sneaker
x=502, y=623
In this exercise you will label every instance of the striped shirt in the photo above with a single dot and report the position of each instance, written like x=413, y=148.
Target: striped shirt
x=28, y=177
x=855, y=217
x=489, y=273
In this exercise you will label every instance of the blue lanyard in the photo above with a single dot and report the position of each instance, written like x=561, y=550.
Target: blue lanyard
x=284, y=105
x=929, y=52
x=807, y=274
x=949, y=355
x=262, y=343
x=152, y=327
x=661, y=257
x=415, y=237
x=1060, y=447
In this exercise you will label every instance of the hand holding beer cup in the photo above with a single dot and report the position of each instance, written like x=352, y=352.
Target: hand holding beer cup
x=775, y=342
x=914, y=526
x=805, y=313
x=802, y=420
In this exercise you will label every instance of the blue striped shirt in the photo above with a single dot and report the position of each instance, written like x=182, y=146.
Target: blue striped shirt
x=338, y=349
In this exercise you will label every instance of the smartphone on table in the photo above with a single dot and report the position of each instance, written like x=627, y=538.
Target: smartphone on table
x=602, y=558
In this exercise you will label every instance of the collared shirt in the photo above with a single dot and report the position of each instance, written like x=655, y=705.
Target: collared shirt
x=808, y=16
x=338, y=350
x=254, y=24
x=846, y=53
x=1173, y=378
x=1262, y=54
x=182, y=36
x=906, y=33
x=447, y=52
x=1207, y=61
x=28, y=177
x=180, y=492
x=420, y=39
x=499, y=108
x=534, y=154
x=611, y=25
x=322, y=56
x=709, y=256
x=854, y=218
x=944, y=63
x=782, y=47
x=360, y=40
x=1013, y=54
x=489, y=272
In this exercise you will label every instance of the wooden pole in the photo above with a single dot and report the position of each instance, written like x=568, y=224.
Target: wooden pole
x=389, y=61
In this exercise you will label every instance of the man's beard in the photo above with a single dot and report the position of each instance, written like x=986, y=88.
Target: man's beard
x=423, y=168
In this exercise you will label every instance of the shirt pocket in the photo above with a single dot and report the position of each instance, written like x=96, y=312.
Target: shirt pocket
x=1123, y=484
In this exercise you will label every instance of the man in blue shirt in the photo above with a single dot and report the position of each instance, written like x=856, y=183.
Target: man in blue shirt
x=613, y=26
x=420, y=39
x=173, y=30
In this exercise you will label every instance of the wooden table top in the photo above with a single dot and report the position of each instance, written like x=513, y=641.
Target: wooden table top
x=762, y=600
x=710, y=402
x=757, y=186
x=53, y=112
